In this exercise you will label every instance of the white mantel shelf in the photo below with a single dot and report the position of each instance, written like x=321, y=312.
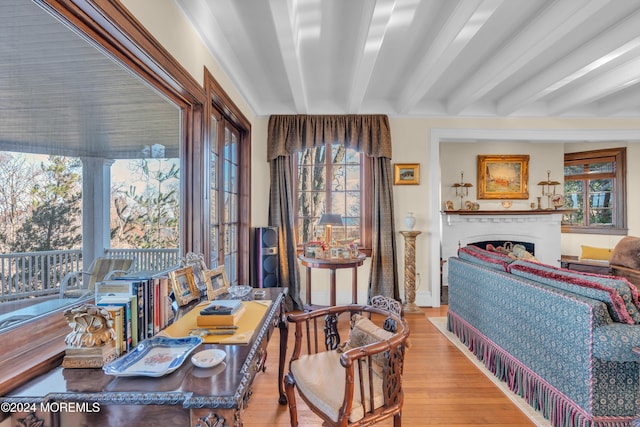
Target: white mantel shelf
x=510, y=212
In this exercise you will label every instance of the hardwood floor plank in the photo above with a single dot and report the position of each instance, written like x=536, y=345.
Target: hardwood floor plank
x=442, y=387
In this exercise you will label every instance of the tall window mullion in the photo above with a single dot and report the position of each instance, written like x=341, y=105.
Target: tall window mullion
x=231, y=198
x=215, y=179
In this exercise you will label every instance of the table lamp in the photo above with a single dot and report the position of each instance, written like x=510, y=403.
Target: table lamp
x=329, y=220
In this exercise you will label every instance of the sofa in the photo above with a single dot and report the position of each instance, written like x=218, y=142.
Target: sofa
x=560, y=339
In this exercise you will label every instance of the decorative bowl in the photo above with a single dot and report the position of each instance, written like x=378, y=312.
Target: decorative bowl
x=208, y=358
x=239, y=291
x=506, y=204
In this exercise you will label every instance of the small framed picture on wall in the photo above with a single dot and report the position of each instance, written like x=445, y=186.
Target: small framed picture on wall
x=406, y=173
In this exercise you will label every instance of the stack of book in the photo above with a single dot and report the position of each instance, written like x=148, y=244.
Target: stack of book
x=221, y=313
x=139, y=306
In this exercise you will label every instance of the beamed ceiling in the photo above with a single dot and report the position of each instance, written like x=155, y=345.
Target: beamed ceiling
x=542, y=58
x=415, y=58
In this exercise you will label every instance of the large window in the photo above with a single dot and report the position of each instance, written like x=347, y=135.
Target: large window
x=73, y=126
x=332, y=179
x=595, y=192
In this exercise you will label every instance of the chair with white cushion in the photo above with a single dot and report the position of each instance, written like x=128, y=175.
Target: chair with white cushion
x=79, y=284
x=355, y=383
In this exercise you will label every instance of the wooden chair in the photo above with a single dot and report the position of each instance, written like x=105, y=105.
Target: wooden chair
x=79, y=284
x=356, y=383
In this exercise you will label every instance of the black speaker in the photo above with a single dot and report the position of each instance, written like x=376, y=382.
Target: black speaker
x=264, y=271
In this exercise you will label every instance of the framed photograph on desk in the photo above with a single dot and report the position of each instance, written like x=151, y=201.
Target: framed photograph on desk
x=184, y=286
x=197, y=264
x=217, y=283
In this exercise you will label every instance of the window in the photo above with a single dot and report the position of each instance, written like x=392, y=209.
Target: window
x=225, y=198
x=62, y=127
x=145, y=209
x=595, y=191
x=334, y=183
x=229, y=159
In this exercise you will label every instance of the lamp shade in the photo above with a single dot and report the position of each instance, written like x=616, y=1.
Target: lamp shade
x=330, y=219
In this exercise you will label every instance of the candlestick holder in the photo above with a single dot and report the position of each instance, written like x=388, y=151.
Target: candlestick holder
x=462, y=189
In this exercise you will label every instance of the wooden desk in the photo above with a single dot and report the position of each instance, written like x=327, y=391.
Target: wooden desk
x=189, y=396
x=332, y=265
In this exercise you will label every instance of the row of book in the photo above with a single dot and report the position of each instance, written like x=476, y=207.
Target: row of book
x=139, y=305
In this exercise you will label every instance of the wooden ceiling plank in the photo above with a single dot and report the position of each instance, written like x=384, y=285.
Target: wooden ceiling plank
x=626, y=102
x=374, y=25
x=590, y=90
x=532, y=43
x=462, y=24
x=289, y=47
x=622, y=39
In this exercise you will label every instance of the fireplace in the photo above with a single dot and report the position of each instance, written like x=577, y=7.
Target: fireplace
x=530, y=247
x=538, y=231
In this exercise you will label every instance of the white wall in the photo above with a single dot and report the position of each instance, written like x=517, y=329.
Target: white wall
x=462, y=156
x=415, y=140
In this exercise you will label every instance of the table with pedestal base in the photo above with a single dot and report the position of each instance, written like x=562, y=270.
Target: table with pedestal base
x=332, y=264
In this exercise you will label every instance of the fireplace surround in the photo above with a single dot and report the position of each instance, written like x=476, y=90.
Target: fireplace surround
x=539, y=231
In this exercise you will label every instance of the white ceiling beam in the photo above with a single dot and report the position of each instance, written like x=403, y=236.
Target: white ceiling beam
x=547, y=29
x=620, y=40
x=591, y=90
x=464, y=22
x=374, y=24
x=627, y=101
x=284, y=24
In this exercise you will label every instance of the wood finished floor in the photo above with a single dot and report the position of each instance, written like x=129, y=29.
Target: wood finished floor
x=442, y=387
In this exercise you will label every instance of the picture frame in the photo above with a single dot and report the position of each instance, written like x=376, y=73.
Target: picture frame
x=183, y=285
x=313, y=250
x=406, y=173
x=217, y=283
x=504, y=176
x=198, y=265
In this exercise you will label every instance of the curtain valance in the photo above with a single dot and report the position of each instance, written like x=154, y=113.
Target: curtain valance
x=369, y=134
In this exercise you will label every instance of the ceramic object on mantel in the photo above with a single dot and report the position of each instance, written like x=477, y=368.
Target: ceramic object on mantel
x=410, y=221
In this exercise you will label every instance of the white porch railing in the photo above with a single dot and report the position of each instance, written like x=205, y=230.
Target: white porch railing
x=148, y=259
x=35, y=274
x=28, y=274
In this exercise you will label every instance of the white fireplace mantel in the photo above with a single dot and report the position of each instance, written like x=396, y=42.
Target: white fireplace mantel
x=542, y=228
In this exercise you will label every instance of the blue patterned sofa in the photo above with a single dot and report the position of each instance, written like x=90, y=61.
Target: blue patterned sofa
x=562, y=340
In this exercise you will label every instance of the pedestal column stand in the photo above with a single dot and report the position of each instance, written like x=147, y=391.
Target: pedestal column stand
x=410, y=306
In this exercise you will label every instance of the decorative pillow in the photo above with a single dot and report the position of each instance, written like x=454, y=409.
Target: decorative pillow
x=476, y=255
x=365, y=332
x=619, y=295
x=590, y=253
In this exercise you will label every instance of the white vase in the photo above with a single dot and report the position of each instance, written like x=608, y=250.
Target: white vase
x=410, y=221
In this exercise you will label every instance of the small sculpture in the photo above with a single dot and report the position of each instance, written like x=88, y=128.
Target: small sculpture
x=91, y=326
x=90, y=344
